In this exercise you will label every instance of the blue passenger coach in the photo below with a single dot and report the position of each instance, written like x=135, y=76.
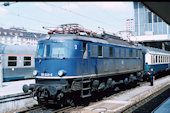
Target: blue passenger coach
x=17, y=61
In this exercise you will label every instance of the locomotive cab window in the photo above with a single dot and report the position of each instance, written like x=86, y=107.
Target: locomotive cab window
x=12, y=61
x=40, y=50
x=100, y=51
x=53, y=50
x=27, y=61
x=84, y=50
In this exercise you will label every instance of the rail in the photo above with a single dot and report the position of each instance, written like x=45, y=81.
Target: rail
x=14, y=97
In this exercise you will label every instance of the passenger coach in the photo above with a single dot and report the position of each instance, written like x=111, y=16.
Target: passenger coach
x=17, y=61
x=157, y=59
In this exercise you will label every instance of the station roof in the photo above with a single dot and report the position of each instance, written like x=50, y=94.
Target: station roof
x=162, y=9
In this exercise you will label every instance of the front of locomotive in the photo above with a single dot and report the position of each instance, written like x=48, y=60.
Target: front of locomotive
x=54, y=69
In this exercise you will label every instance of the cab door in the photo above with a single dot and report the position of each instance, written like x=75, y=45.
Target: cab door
x=85, y=62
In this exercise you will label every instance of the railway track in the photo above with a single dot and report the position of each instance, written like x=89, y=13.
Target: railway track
x=69, y=109
x=14, y=97
x=43, y=109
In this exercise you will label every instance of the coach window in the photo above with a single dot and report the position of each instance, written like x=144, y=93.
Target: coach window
x=111, y=51
x=84, y=50
x=156, y=59
x=27, y=61
x=151, y=59
x=12, y=61
x=161, y=59
x=100, y=51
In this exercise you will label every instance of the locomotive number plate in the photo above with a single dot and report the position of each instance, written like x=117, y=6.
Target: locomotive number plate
x=47, y=74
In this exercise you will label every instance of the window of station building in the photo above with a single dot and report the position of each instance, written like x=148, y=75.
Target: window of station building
x=21, y=34
x=111, y=51
x=5, y=33
x=10, y=33
x=12, y=61
x=149, y=17
x=100, y=51
x=27, y=61
x=155, y=18
x=84, y=50
x=16, y=33
x=159, y=19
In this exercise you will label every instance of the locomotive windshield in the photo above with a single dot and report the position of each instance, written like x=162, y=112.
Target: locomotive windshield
x=51, y=50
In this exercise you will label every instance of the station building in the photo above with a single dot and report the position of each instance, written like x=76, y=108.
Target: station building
x=150, y=30
x=17, y=36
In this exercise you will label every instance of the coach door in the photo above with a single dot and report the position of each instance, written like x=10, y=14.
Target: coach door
x=85, y=63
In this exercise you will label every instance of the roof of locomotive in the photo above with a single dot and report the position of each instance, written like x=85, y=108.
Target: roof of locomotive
x=17, y=49
x=111, y=41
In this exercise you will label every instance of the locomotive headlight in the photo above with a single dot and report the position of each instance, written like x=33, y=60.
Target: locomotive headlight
x=35, y=72
x=61, y=73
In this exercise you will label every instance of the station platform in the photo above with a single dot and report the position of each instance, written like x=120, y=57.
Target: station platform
x=14, y=87
x=115, y=104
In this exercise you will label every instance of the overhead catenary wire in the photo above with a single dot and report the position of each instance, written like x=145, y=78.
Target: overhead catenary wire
x=68, y=10
x=92, y=19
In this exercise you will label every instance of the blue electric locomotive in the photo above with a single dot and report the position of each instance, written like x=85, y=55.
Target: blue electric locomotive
x=68, y=64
